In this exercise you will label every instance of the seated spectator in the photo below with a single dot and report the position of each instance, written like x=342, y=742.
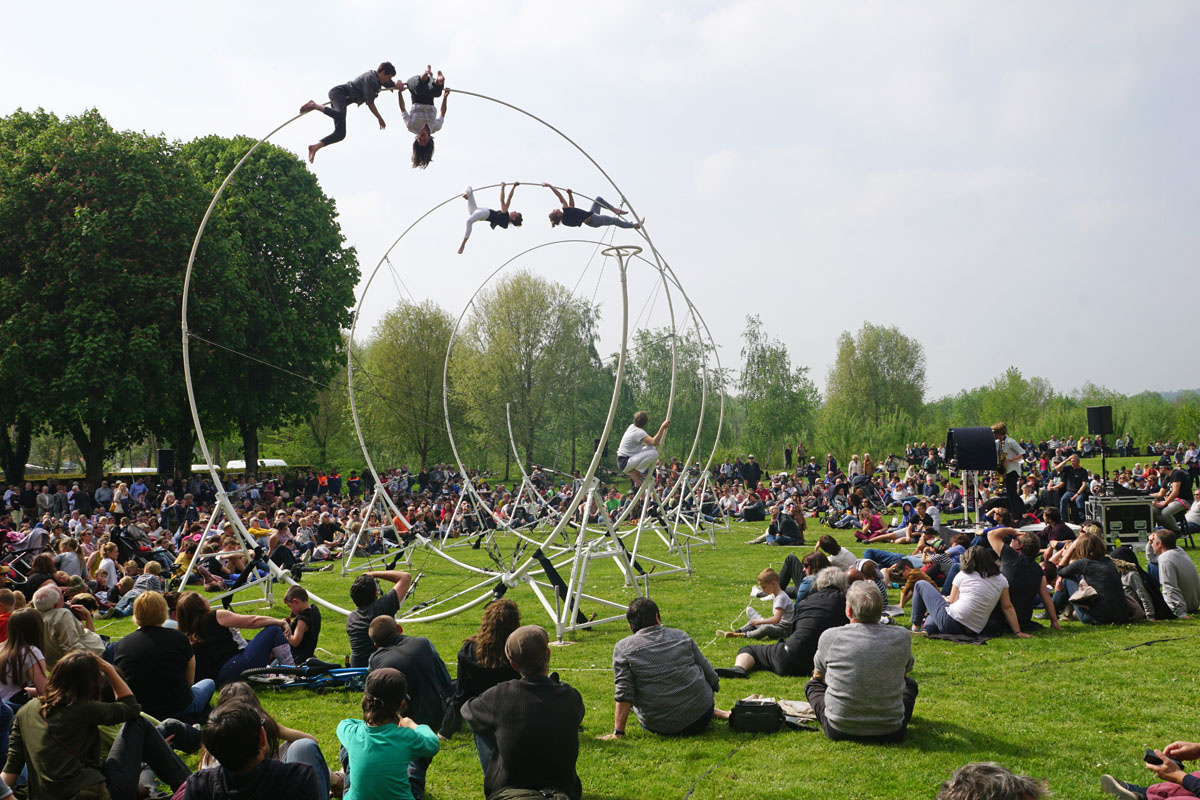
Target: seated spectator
x=22, y=662
x=860, y=687
x=283, y=743
x=304, y=624
x=57, y=737
x=824, y=608
x=237, y=738
x=428, y=682
x=661, y=675
x=369, y=604
x=1175, y=781
x=159, y=665
x=7, y=601
x=1176, y=574
x=988, y=780
x=905, y=575
x=148, y=581
x=779, y=624
x=40, y=572
x=838, y=556
x=66, y=629
x=383, y=738
x=482, y=665
x=977, y=589
x=787, y=526
x=533, y=723
x=1026, y=580
x=220, y=655
x=1086, y=559
x=802, y=571
x=1139, y=587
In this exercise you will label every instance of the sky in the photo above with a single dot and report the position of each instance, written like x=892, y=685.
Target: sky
x=1009, y=183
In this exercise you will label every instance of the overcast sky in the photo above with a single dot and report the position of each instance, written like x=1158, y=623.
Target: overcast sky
x=1009, y=183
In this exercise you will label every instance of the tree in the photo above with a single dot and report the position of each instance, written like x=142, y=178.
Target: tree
x=523, y=345
x=877, y=371
x=780, y=400
x=298, y=283
x=398, y=383
x=1015, y=401
x=95, y=227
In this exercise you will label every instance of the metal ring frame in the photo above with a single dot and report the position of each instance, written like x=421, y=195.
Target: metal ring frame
x=619, y=251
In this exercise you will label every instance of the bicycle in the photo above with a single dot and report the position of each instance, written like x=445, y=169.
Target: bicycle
x=314, y=674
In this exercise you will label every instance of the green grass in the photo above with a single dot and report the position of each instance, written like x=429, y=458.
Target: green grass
x=1064, y=706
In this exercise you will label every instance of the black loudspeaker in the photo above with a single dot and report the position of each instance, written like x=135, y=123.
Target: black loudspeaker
x=166, y=463
x=973, y=449
x=1100, y=420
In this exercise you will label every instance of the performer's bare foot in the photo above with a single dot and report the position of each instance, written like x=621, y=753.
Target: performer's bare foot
x=309, y=106
x=428, y=73
x=638, y=225
x=312, y=151
x=441, y=79
x=461, y=247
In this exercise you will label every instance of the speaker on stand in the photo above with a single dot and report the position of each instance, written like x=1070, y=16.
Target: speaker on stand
x=973, y=450
x=1100, y=424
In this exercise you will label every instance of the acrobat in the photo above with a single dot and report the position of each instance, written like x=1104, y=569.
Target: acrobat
x=573, y=217
x=497, y=219
x=363, y=89
x=423, y=120
x=639, y=450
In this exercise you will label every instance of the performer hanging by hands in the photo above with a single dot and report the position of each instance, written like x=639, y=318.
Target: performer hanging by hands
x=639, y=450
x=573, y=217
x=423, y=120
x=497, y=219
x=363, y=89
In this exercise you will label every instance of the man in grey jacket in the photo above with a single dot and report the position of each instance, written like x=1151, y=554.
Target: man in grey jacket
x=1176, y=573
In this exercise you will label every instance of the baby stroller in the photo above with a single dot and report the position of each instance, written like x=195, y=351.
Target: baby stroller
x=873, y=494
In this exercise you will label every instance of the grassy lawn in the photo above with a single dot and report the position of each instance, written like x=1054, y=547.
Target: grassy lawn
x=1065, y=706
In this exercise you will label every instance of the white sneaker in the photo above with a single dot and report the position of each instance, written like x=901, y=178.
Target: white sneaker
x=751, y=614
x=758, y=594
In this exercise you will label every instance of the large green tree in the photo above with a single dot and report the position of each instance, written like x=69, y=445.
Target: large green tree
x=523, y=346
x=398, y=382
x=95, y=227
x=780, y=400
x=295, y=288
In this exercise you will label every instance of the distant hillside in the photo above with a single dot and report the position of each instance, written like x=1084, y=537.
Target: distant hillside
x=1175, y=394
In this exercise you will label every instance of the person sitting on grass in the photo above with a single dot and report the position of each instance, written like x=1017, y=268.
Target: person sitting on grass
x=661, y=675
x=987, y=779
x=838, y=556
x=236, y=737
x=384, y=738
x=802, y=571
x=776, y=626
x=1174, y=780
x=1176, y=573
x=532, y=723
x=869, y=524
x=823, y=609
x=1026, y=580
x=977, y=589
x=368, y=604
x=1086, y=559
x=860, y=687
x=905, y=575
x=920, y=523
x=787, y=526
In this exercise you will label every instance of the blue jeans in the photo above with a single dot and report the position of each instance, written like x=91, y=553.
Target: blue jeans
x=484, y=746
x=1065, y=503
x=306, y=751
x=202, y=692
x=886, y=558
x=256, y=654
x=928, y=604
x=948, y=584
x=1071, y=586
x=6, y=720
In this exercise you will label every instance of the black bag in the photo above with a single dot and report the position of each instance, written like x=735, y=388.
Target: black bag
x=756, y=716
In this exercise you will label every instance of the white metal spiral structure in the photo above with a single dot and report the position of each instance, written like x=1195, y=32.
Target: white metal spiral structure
x=563, y=615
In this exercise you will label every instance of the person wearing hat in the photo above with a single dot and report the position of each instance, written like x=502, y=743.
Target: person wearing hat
x=428, y=681
x=751, y=473
x=534, y=723
x=383, y=738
